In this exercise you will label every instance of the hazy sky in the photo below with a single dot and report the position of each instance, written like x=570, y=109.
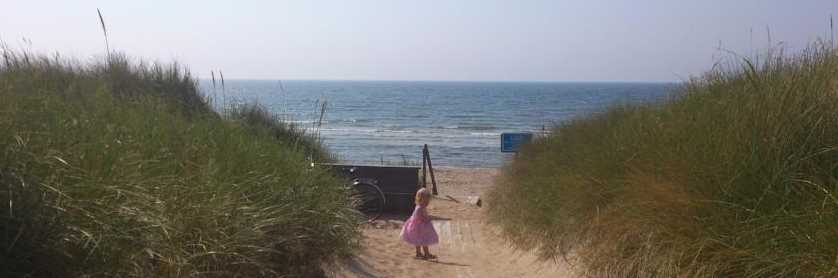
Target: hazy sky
x=561, y=40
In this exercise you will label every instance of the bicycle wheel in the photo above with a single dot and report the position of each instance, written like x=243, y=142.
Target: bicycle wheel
x=368, y=199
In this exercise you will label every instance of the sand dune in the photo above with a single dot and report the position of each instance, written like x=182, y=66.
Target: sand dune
x=468, y=247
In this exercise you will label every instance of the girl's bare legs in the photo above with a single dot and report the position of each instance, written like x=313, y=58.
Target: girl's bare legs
x=428, y=254
x=418, y=254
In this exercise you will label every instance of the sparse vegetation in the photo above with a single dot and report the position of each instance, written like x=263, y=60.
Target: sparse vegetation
x=122, y=169
x=736, y=176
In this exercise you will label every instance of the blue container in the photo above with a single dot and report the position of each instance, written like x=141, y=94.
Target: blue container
x=511, y=142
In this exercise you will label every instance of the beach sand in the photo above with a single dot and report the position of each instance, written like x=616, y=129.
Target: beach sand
x=468, y=246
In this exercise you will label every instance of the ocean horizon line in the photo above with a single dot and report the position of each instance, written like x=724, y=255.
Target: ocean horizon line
x=458, y=81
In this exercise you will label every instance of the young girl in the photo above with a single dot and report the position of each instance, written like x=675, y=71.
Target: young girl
x=417, y=230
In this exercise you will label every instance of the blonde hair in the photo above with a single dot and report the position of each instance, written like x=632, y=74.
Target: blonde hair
x=422, y=194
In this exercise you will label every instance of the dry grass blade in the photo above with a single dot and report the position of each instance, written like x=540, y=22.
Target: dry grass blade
x=105, y=32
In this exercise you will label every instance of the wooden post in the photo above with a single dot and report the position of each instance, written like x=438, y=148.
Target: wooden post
x=427, y=155
x=424, y=170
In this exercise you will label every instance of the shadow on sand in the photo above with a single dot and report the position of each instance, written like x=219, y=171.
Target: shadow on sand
x=361, y=268
x=437, y=261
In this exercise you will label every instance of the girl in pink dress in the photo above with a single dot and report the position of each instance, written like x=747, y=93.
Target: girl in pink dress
x=418, y=230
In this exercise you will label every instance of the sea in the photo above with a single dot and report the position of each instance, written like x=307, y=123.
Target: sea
x=388, y=122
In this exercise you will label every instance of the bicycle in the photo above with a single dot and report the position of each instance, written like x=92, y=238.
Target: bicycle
x=366, y=196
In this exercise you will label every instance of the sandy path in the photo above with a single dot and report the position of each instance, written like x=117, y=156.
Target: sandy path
x=468, y=247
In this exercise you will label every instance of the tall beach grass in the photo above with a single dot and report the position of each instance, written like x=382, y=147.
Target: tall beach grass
x=122, y=169
x=736, y=176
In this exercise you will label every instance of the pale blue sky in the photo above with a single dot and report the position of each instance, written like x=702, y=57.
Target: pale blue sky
x=573, y=40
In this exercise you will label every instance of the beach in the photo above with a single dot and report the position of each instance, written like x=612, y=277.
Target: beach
x=468, y=247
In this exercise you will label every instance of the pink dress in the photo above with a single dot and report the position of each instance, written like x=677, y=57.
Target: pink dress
x=418, y=230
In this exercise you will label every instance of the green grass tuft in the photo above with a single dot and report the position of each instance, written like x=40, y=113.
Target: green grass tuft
x=122, y=169
x=737, y=176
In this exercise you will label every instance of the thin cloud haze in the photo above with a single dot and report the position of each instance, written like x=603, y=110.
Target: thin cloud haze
x=423, y=40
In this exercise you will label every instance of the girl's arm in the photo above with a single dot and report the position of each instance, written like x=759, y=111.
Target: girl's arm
x=424, y=215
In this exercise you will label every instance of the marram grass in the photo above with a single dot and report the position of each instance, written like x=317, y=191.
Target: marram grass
x=121, y=169
x=736, y=176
